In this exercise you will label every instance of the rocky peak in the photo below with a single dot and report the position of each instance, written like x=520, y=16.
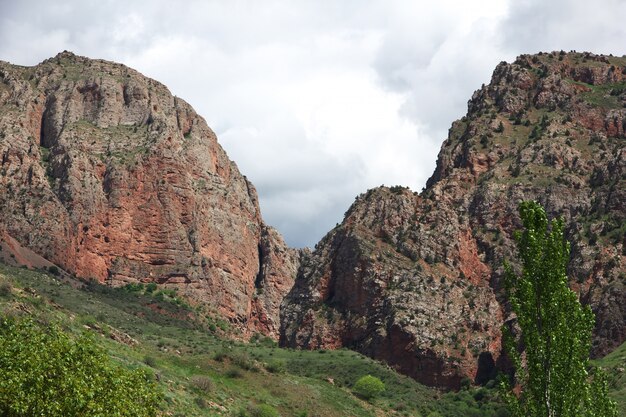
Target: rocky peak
x=112, y=178
x=415, y=280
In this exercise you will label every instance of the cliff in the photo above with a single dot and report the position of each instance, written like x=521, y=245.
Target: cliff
x=416, y=279
x=107, y=175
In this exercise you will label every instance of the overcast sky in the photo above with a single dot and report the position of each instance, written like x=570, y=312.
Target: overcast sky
x=316, y=101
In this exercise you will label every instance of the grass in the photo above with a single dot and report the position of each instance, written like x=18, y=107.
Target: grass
x=603, y=95
x=123, y=144
x=615, y=365
x=202, y=373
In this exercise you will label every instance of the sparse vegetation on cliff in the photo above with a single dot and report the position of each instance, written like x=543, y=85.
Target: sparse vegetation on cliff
x=129, y=183
x=417, y=280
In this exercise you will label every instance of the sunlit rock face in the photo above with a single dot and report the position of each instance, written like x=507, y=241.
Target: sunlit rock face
x=108, y=175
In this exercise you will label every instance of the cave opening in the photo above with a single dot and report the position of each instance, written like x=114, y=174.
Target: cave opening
x=486, y=368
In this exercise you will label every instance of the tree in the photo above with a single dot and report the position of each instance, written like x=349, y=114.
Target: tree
x=368, y=387
x=554, y=328
x=46, y=372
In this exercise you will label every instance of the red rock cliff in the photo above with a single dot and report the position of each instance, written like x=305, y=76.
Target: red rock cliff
x=108, y=175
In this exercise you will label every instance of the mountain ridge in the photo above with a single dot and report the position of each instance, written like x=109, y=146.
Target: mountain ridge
x=416, y=279
x=112, y=178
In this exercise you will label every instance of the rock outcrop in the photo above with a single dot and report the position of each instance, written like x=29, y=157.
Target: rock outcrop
x=112, y=178
x=416, y=280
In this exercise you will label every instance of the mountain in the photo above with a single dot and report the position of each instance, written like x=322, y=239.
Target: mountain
x=111, y=178
x=416, y=279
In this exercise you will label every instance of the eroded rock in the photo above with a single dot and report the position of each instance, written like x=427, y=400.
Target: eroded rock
x=112, y=178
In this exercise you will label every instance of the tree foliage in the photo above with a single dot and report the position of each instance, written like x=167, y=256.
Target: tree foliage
x=368, y=387
x=46, y=372
x=555, y=329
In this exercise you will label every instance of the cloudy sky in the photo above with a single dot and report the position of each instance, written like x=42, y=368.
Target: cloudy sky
x=316, y=101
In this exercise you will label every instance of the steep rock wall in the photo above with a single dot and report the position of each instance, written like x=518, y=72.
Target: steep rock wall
x=112, y=178
x=416, y=280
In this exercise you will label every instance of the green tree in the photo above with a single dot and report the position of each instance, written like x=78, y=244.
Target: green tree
x=555, y=329
x=368, y=387
x=46, y=372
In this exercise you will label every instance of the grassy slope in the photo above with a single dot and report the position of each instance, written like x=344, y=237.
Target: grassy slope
x=203, y=373
x=615, y=365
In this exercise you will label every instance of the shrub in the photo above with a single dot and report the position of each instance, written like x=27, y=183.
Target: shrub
x=201, y=402
x=243, y=361
x=275, y=367
x=48, y=372
x=234, y=373
x=133, y=287
x=150, y=361
x=262, y=340
x=151, y=287
x=202, y=383
x=368, y=387
x=400, y=406
x=397, y=189
x=5, y=289
x=220, y=355
x=89, y=321
x=53, y=269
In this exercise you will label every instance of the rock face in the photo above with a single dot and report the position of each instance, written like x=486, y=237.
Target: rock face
x=112, y=178
x=416, y=280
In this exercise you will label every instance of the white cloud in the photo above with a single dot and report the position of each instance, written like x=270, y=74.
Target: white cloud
x=316, y=101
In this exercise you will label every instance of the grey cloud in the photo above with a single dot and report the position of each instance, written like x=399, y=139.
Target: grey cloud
x=305, y=232
x=315, y=101
x=441, y=76
x=535, y=25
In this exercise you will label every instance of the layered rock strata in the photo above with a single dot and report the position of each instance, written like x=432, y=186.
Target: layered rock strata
x=108, y=175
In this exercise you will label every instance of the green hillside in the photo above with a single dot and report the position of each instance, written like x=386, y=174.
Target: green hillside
x=615, y=365
x=204, y=373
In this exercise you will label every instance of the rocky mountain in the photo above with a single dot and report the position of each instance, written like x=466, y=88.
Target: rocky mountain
x=107, y=175
x=416, y=279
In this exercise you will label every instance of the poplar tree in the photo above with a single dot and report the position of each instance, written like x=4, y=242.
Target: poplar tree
x=550, y=351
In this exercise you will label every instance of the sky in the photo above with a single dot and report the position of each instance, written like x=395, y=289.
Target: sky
x=316, y=101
